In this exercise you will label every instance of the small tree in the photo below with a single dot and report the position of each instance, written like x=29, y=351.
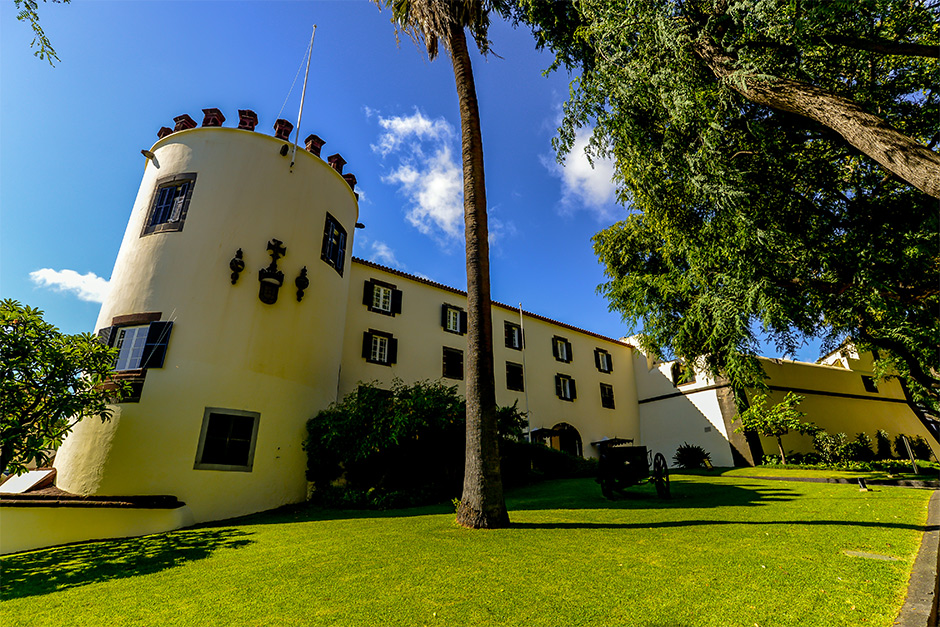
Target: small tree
x=48, y=382
x=775, y=421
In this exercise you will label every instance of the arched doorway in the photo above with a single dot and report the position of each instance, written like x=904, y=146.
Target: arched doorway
x=566, y=439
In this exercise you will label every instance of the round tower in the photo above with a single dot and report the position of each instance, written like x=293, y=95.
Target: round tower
x=227, y=305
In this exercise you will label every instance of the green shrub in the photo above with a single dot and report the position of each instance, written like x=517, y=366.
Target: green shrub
x=860, y=449
x=393, y=448
x=691, y=456
x=919, y=447
x=831, y=448
x=527, y=462
x=883, y=445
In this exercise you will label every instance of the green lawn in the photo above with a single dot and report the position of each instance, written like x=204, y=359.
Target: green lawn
x=724, y=551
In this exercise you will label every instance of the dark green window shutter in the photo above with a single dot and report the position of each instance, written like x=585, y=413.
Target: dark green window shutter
x=366, y=344
x=555, y=348
x=396, y=301
x=341, y=254
x=392, y=350
x=463, y=322
x=574, y=390
x=158, y=336
x=106, y=335
x=568, y=352
x=508, y=331
x=444, y=309
x=558, y=386
x=610, y=363
x=367, y=292
x=597, y=360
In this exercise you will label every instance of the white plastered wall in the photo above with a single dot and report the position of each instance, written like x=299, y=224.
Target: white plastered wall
x=227, y=349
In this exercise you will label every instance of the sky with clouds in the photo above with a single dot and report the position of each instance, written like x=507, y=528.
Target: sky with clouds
x=70, y=162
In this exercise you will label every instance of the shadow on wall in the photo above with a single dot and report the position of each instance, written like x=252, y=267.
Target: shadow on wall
x=676, y=410
x=51, y=570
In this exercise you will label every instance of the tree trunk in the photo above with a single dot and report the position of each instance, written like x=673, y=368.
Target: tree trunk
x=783, y=458
x=897, y=153
x=482, y=505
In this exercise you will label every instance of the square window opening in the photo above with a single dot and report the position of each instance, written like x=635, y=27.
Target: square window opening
x=227, y=440
x=333, y=251
x=453, y=363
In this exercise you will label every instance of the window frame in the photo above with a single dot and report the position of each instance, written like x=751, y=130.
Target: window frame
x=565, y=388
x=450, y=356
x=511, y=377
x=608, y=397
x=560, y=345
x=170, y=225
x=154, y=353
x=200, y=448
x=391, y=352
x=459, y=317
x=603, y=361
x=334, y=253
x=515, y=338
x=869, y=384
x=372, y=287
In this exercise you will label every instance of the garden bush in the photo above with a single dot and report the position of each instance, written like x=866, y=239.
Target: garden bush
x=394, y=448
x=831, y=448
x=882, y=445
x=692, y=456
x=860, y=449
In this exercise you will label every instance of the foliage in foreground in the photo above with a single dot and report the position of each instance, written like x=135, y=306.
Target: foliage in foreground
x=393, y=448
x=48, y=382
x=759, y=207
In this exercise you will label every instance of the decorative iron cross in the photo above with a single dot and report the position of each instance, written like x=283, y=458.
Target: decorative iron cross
x=277, y=250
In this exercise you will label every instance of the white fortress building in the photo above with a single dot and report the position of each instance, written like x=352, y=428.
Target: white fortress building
x=239, y=313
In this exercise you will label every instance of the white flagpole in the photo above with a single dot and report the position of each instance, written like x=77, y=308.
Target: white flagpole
x=525, y=383
x=303, y=94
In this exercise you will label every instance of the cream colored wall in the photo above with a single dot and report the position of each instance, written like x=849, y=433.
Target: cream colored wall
x=836, y=400
x=27, y=528
x=689, y=413
x=227, y=349
x=420, y=346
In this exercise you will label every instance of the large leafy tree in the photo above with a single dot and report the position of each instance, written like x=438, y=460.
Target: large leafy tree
x=777, y=160
x=48, y=382
x=434, y=23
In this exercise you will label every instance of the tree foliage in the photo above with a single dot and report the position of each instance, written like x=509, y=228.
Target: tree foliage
x=48, y=382
x=775, y=421
x=398, y=447
x=776, y=157
x=28, y=11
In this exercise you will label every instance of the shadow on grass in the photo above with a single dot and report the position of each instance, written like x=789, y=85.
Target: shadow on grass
x=709, y=523
x=567, y=494
x=49, y=570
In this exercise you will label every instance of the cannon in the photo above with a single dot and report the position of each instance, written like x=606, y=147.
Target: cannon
x=622, y=465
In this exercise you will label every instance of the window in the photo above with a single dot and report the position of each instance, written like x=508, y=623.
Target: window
x=334, y=244
x=139, y=346
x=453, y=363
x=564, y=387
x=227, y=440
x=602, y=360
x=453, y=319
x=681, y=374
x=379, y=347
x=561, y=349
x=170, y=204
x=869, y=383
x=514, y=337
x=607, y=396
x=515, y=379
x=381, y=297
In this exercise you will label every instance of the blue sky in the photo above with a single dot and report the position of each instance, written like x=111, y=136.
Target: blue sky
x=70, y=141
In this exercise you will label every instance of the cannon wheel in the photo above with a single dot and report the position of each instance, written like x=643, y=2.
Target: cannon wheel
x=661, y=476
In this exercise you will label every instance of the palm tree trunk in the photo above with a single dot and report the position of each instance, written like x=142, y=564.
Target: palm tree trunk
x=482, y=505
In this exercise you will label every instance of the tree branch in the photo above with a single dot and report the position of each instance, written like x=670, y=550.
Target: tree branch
x=894, y=151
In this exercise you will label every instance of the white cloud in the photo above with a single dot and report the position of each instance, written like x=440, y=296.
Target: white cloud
x=88, y=287
x=398, y=129
x=582, y=185
x=425, y=170
x=381, y=253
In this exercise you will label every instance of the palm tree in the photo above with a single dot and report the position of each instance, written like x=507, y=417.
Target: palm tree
x=430, y=23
